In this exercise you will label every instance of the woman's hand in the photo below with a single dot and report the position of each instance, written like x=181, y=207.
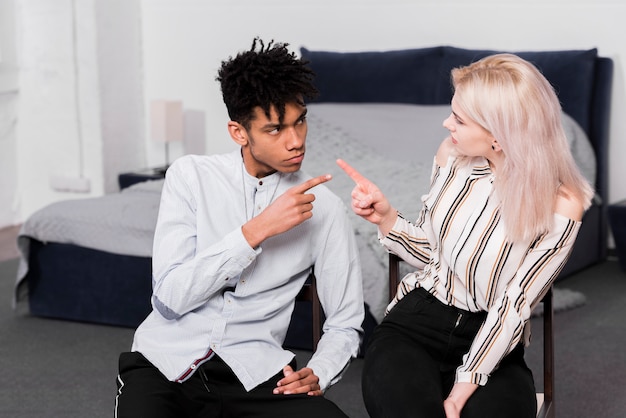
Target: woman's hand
x=368, y=201
x=452, y=410
x=457, y=399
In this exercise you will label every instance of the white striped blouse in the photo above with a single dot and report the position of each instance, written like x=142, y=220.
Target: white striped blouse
x=459, y=248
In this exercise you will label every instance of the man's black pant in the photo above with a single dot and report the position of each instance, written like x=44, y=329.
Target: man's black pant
x=212, y=391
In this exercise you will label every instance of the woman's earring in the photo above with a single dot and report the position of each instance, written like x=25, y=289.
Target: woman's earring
x=493, y=147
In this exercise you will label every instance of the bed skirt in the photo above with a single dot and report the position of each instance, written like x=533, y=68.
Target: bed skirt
x=70, y=282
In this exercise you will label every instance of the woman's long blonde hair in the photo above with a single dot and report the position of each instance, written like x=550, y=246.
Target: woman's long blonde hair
x=512, y=100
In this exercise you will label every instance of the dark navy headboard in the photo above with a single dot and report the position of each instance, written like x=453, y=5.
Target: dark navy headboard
x=581, y=78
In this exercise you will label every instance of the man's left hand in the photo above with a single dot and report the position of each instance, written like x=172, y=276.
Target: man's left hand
x=301, y=381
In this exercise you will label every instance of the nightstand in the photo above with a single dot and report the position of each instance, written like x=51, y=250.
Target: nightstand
x=128, y=179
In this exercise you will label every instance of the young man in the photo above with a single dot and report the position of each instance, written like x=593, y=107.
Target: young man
x=235, y=240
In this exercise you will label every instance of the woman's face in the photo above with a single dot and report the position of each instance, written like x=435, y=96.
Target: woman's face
x=469, y=138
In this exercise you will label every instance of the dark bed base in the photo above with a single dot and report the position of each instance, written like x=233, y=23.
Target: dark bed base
x=70, y=282
x=74, y=283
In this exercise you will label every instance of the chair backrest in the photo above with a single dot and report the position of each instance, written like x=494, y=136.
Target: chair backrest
x=546, y=408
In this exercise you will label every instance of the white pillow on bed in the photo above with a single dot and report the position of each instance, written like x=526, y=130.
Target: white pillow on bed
x=393, y=145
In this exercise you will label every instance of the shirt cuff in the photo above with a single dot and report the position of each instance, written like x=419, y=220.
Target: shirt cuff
x=472, y=377
x=326, y=377
x=396, y=226
x=242, y=253
x=235, y=254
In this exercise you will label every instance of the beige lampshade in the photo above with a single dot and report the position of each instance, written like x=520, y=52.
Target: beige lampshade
x=167, y=122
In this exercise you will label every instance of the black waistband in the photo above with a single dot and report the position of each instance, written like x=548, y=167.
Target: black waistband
x=475, y=316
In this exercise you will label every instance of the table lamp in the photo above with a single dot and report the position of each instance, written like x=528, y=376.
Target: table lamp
x=166, y=118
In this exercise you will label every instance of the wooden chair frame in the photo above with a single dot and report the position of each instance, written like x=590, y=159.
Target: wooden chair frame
x=546, y=409
x=309, y=293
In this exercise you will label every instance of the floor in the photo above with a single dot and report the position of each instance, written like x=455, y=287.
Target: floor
x=51, y=358
x=8, y=242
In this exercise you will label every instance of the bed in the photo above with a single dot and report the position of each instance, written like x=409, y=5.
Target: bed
x=382, y=111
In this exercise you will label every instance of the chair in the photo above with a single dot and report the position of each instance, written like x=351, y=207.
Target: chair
x=545, y=400
x=309, y=293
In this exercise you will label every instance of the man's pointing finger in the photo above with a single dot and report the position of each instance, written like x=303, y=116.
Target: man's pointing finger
x=310, y=183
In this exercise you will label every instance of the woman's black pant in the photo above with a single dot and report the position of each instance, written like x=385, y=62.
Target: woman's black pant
x=412, y=357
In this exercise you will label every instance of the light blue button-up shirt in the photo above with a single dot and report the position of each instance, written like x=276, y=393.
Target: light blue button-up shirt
x=212, y=292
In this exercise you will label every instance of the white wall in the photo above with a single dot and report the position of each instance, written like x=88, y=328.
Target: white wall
x=120, y=82
x=58, y=127
x=9, y=211
x=79, y=103
x=183, y=42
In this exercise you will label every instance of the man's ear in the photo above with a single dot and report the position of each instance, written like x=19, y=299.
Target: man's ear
x=238, y=133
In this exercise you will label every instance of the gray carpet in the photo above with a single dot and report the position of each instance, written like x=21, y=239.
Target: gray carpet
x=65, y=369
x=563, y=299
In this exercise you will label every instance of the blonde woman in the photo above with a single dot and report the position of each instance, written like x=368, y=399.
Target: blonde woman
x=495, y=229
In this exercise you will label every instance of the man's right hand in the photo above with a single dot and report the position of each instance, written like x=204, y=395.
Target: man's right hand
x=289, y=210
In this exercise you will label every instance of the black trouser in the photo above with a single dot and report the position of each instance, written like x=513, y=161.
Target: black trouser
x=212, y=391
x=411, y=360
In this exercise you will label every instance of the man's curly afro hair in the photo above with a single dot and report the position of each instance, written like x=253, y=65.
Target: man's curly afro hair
x=264, y=77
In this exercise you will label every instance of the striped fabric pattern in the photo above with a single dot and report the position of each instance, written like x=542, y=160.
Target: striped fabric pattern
x=461, y=255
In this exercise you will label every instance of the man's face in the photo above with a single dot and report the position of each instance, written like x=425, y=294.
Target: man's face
x=272, y=146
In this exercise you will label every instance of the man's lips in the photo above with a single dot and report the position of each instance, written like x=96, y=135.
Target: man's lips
x=297, y=159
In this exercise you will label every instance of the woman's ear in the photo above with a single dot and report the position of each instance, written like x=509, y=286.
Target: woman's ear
x=495, y=145
x=238, y=133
